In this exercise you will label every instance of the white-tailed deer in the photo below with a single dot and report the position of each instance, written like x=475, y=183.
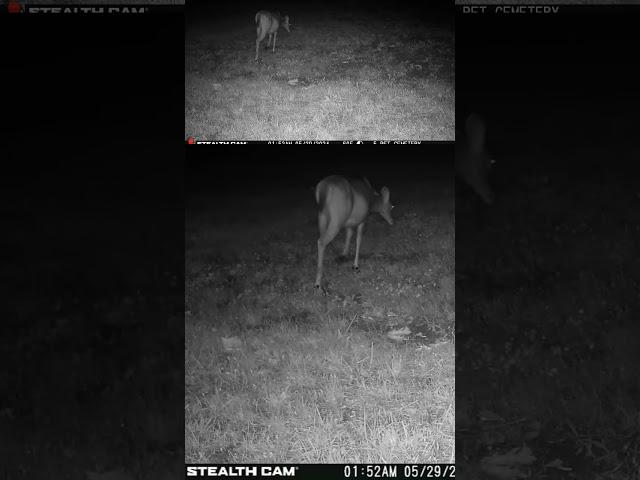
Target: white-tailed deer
x=473, y=162
x=268, y=24
x=345, y=204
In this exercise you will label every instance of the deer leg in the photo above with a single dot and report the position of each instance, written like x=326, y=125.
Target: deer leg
x=259, y=38
x=358, y=240
x=347, y=241
x=327, y=233
x=321, y=247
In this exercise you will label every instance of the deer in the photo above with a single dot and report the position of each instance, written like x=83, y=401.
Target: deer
x=268, y=24
x=472, y=161
x=345, y=204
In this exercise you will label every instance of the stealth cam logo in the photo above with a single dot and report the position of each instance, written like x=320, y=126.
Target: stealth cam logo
x=13, y=6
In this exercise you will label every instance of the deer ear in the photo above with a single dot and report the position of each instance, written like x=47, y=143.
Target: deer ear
x=385, y=194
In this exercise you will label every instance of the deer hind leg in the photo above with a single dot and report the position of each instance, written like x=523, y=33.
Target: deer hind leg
x=259, y=38
x=358, y=240
x=327, y=233
x=275, y=34
x=347, y=241
x=321, y=247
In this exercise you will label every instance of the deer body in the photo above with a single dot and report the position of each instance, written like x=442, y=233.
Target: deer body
x=268, y=24
x=346, y=204
x=473, y=162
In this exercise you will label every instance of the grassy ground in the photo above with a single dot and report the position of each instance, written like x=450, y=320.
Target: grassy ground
x=355, y=75
x=278, y=373
x=547, y=288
